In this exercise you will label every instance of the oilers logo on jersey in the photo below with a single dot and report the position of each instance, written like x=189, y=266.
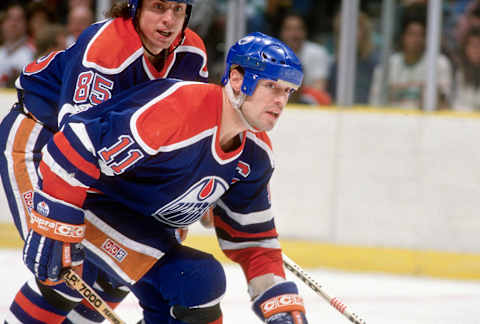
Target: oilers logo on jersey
x=190, y=206
x=43, y=208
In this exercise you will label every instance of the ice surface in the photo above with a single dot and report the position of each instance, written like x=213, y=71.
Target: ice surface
x=377, y=298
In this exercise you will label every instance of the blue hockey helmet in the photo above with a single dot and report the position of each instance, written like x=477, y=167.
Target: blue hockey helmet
x=133, y=6
x=263, y=57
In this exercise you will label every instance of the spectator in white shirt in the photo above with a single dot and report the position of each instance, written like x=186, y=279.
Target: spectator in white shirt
x=467, y=76
x=407, y=68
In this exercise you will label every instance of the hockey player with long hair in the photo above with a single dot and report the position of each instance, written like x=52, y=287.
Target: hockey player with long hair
x=119, y=178
x=141, y=41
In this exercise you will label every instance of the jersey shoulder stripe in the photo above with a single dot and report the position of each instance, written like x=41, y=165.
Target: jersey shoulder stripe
x=194, y=44
x=40, y=64
x=113, y=47
x=192, y=39
x=184, y=112
x=75, y=158
x=191, y=44
x=262, y=140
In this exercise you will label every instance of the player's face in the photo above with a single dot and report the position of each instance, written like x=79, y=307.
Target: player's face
x=265, y=106
x=160, y=22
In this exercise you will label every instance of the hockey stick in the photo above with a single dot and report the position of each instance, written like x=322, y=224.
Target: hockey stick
x=309, y=281
x=74, y=281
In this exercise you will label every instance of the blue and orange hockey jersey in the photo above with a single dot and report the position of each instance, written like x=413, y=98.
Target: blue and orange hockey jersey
x=149, y=161
x=107, y=58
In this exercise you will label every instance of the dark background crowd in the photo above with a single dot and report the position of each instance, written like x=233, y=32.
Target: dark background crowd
x=32, y=29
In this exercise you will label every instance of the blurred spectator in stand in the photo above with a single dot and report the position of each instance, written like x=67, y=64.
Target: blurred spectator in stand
x=467, y=76
x=275, y=10
x=407, y=67
x=51, y=38
x=203, y=14
x=367, y=59
x=470, y=18
x=210, y=16
x=255, y=13
x=79, y=18
x=61, y=8
x=15, y=51
x=453, y=13
x=38, y=17
x=80, y=3
x=314, y=58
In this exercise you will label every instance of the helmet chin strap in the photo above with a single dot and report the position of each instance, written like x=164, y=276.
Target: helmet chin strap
x=237, y=103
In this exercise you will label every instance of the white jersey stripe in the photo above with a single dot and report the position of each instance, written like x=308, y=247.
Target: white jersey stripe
x=32, y=140
x=11, y=174
x=247, y=219
x=119, y=237
x=196, y=50
x=81, y=132
x=139, y=112
x=214, y=151
x=263, y=145
x=269, y=244
x=59, y=171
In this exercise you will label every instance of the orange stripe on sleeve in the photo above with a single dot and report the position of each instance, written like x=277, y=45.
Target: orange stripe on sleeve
x=58, y=188
x=219, y=223
x=74, y=157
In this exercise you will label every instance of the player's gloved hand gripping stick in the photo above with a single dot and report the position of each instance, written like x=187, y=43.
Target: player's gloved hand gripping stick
x=280, y=304
x=53, y=242
x=53, y=246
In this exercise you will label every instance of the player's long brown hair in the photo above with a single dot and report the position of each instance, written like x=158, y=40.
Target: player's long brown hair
x=119, y=9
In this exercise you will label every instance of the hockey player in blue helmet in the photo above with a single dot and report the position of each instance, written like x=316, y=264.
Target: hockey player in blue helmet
x=154, y=159
x=260, y=57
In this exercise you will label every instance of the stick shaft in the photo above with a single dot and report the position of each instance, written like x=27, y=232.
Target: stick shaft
x=309, y=281
x=74, y=281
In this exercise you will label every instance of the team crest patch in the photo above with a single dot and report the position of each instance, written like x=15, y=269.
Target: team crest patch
x=190, y=206
x=43, y=209
x=28, y=200
x=114, y=250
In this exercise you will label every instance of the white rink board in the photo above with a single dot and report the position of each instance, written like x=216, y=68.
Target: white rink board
x=372, y=179
x=376, y=179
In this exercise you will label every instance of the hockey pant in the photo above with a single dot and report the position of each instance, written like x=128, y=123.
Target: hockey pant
x=184, y=287
x=21, y=141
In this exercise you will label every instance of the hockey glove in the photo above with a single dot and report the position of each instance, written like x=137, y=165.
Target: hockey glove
x=280, y=304
x=53, y=242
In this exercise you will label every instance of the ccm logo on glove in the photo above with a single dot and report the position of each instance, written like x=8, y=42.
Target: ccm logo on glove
x=282, y=303
x=55, y=229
